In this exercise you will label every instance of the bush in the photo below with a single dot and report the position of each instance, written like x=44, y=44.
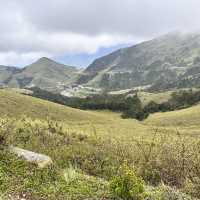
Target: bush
x=130, y=106
x=126, y=185
x=165, y=193
x=152, y=176
x=192, y=187
x=134, y=109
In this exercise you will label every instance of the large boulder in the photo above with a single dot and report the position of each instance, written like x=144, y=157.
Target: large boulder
x=39, y=159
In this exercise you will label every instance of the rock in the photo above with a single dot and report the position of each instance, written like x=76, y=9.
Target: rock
x=32, y=157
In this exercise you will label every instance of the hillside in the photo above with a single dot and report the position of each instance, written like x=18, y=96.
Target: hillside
x=14, y=104
x=185, y=118
x=6, y=74
x=166, y=62
x=44, y=73
x=89, y=147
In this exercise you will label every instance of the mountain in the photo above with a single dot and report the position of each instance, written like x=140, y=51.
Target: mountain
x=167, y=62
x=44, y=73
x=163, y=62
x=6, y=74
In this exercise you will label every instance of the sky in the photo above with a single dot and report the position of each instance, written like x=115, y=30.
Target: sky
x=75, y=32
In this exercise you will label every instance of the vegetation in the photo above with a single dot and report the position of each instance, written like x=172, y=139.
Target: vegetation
x=130, y=106
x=88, y=158
x=127, y=185
x=163, y=63
x=179, y=100
x=44, y=73
x=96, y=161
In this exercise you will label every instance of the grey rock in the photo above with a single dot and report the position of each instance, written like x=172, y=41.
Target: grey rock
x=32, y=157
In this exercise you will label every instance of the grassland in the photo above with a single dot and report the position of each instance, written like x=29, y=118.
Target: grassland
x=160, y=97
x=13, y=104
x=18, y=105
x=186, y=121
x=87, y=148
x=104, y=123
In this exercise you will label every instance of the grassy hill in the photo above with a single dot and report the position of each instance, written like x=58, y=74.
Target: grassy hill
x=160, y=97
x=88, y=148
x=15, y=104
x=184, y=117
x=18, y=105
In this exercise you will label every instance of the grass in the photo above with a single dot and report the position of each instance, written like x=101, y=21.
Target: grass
x=14, y=104
x=17, y=105
x=161, y=97
x=158, y=97
x=100, y=122
x=95, y=160
x=186, y=121
x=88, y=147
x=21, y=179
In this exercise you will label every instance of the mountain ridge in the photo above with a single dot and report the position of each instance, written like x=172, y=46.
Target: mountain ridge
x=164, y=58
x=167, y=62
x=44, y=73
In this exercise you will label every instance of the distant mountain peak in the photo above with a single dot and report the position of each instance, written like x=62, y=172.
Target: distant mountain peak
x=45, y=59
x=43, y=73
x=164, y=59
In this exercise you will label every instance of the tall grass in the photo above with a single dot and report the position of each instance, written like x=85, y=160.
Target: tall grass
x=162, y=158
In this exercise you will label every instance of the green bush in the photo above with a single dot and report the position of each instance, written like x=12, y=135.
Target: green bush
x=166, y=193
x=126, y=185
x=192, y=187
x=152, y=176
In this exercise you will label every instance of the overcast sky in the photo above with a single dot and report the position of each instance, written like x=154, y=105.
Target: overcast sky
x=77, y=31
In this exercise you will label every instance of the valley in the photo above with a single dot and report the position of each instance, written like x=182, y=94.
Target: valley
x=129, y=118
x=100, y=100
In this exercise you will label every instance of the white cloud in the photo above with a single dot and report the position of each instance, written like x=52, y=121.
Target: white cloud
x=30, y=29
x=20, y=59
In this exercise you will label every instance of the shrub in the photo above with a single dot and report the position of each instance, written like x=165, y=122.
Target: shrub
x=126, y=185
x=192, y=187
x=165, y=193
x=152, y=176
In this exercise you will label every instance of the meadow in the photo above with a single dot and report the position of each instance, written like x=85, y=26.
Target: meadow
x=89, y=147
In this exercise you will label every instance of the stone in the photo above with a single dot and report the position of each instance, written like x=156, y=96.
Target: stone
x=40, y=159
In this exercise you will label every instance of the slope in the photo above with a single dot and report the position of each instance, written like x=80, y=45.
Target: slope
x=44, y=73
x=6, y=74
x=18, y=105
x=185, y=121
x=15, y=105
x=157, y=62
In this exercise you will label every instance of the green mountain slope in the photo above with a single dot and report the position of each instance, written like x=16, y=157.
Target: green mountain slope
x=44, y=73
x=170, y=61
x=14, y=104
x=6, y=74
x=166, y=59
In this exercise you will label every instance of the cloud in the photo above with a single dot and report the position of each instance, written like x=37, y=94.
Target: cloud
x=59, y=27
x=20, y=59
x=134, y=17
